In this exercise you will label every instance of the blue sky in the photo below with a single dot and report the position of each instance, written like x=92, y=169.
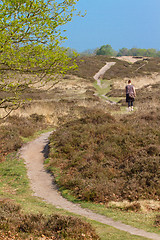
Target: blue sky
x=120, y=23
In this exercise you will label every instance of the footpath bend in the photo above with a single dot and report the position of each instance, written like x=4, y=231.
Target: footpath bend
x=42, y=184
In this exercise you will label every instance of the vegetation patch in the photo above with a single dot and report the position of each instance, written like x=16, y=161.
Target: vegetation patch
x=136, y=206
x=14, y=129
x=127, y=70
x=157, y=221
x=14, y=188
x=96, y=158
x=14, y=223
x=101, y=159
x=89, y=66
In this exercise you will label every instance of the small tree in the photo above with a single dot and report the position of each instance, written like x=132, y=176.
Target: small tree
x=106, y=50
x=123, y=52
x=30, y=39
x=151, y=52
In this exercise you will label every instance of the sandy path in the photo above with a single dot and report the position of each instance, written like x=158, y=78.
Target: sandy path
x=102, y=72
x=98, y=75
x=43, y=186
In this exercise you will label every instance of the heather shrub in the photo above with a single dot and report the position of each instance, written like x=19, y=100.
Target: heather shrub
x=12, y=220
x=9, y=215
x=9, y=140
x=157, y=221
x=89, y=66
x=26, y=126
x=9, y=208
x=69, y=228
x=101, y=159
x=37, y=118
x=57, y=226
x=14, y=129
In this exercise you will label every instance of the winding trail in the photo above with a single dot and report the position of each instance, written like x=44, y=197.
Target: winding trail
x=100, y=74
x=102, y=71
x=42, y=184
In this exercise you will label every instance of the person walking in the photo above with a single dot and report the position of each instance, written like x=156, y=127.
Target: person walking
x=130, y=95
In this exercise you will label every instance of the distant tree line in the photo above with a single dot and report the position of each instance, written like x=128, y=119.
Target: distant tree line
x=109, y=51
x=151, y=52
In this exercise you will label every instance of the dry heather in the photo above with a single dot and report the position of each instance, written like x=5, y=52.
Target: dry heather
x=101, y=159
x=96, y=157
x=143, y=73
x=15, y=225
x=147, y=99
x=101, y=147
x=14, y=128
x=89, y=66
x=157, y=221
x=142, y=205
x=64, y=100
x=138, y=82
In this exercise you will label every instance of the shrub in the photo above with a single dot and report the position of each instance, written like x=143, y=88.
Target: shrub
x=14, y=129
x=100, y=159
x=9, y=140
x=89, y=66
x=37, y=118
x=157, y=221
x=133, y=207
x=26, y=126
x=14, y=224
